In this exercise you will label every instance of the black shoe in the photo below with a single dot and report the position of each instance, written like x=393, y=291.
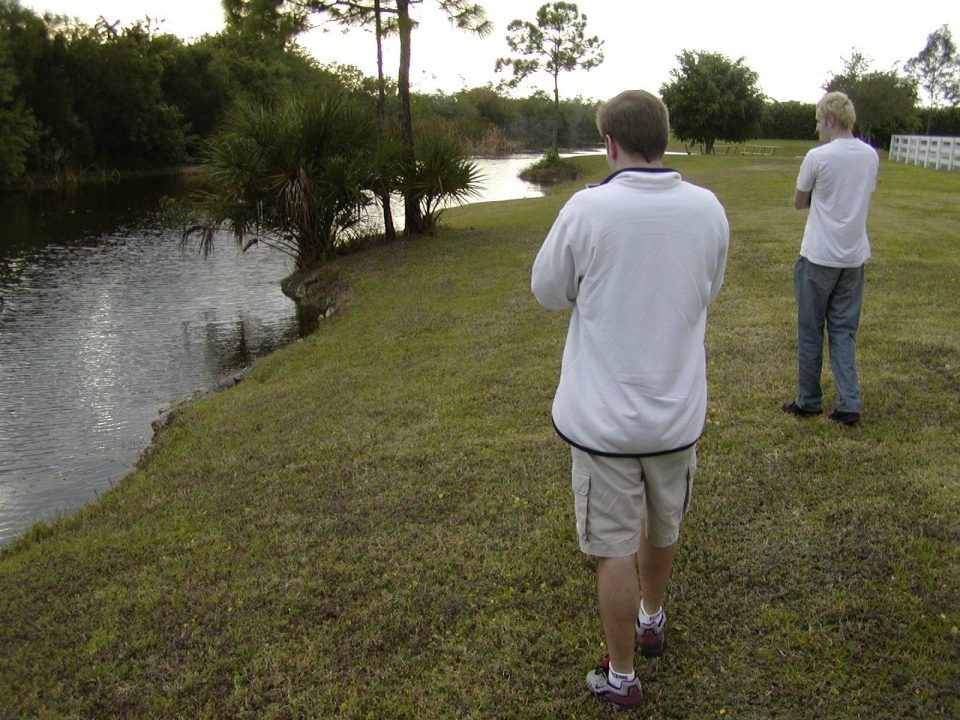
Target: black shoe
x=794, y=409
x=847, y=418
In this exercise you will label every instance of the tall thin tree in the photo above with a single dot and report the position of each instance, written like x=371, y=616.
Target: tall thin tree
x=556, y=43
x=937, y=69
x=389, y=231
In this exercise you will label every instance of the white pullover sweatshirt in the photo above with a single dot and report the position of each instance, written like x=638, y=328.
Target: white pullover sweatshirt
x=638, y=258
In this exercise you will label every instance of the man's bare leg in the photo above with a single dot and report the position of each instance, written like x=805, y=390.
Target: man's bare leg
x=618, y=592
x=654, y=565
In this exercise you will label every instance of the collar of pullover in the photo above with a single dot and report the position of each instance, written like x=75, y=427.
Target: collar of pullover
x=637, y=172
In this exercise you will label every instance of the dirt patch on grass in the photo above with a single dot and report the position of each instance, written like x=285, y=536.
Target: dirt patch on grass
x=320, y=292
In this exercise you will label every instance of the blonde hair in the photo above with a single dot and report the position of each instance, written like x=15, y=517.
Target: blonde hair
x=638, y=121
x=838, y=106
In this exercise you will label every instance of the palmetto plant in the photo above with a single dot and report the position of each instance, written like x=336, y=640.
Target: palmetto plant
x=442, y=175
x=294, y=175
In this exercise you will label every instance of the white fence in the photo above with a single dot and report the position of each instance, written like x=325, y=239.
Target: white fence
x=942, y=153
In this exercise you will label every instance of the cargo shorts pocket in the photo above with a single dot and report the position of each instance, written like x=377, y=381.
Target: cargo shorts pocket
x=691, y=473
x=581, y=503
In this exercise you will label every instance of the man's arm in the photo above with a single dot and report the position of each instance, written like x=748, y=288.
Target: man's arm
x=717, y=282
x=806, y=178
x=554, y=280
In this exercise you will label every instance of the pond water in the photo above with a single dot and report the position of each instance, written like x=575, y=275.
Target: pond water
x=103, y=320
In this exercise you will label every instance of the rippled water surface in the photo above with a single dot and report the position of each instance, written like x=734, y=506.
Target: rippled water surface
x=104, y=321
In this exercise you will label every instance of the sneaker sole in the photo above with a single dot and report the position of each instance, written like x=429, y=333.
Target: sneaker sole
x=608, y=699
x=791, y=408
x=652, y=652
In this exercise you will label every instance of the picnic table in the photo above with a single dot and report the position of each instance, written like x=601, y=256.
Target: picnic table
x=744, y=149
x=758, y=150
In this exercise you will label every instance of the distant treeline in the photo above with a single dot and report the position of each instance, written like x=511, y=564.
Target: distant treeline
x=795, y=121
x=77, y=100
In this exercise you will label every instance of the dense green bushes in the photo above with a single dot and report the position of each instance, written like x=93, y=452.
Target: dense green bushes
x=86, y=96
x=943, y=121
x=789, y=121
x=18, y=129
x=795, y=121
x=551, y=169
x=490, y=123
x=75, y=99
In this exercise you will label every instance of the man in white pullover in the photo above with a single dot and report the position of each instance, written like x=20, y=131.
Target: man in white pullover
x=637, y=258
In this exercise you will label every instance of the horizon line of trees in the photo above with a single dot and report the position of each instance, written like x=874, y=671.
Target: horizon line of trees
x=76, y=99
x=712, y=97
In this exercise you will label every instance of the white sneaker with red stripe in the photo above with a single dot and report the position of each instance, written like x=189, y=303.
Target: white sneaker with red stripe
x=628, y=695
x=652, y=636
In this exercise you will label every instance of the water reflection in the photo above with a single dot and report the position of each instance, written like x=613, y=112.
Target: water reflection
x=105, y=321
x=499, y=181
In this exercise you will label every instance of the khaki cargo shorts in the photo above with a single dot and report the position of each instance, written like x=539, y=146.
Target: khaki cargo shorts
x=617, y=498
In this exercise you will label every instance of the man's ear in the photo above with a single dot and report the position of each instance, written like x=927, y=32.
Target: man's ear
x=611, y=146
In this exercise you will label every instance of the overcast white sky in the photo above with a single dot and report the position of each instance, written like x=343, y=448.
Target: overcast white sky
x=794, y=47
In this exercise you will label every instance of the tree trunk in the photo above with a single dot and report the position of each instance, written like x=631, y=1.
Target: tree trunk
x=388, y=230
x=556, y=114
x=411, y=206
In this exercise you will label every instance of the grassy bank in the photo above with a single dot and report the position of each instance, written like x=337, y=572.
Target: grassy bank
x=377, y=521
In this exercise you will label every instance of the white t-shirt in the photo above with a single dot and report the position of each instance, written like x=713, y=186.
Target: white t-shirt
x=638, y=259
x=841, y=174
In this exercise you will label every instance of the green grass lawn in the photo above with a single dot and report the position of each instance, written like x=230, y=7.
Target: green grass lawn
x=377, y=522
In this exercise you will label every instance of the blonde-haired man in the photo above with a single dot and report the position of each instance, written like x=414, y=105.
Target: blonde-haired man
x=835, y=182
x=637, y=258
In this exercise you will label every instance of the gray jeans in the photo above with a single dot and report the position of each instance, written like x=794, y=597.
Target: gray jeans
x=831, y=296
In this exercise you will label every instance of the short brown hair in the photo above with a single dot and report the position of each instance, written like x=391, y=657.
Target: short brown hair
x=638, y=121
x=839, y=107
